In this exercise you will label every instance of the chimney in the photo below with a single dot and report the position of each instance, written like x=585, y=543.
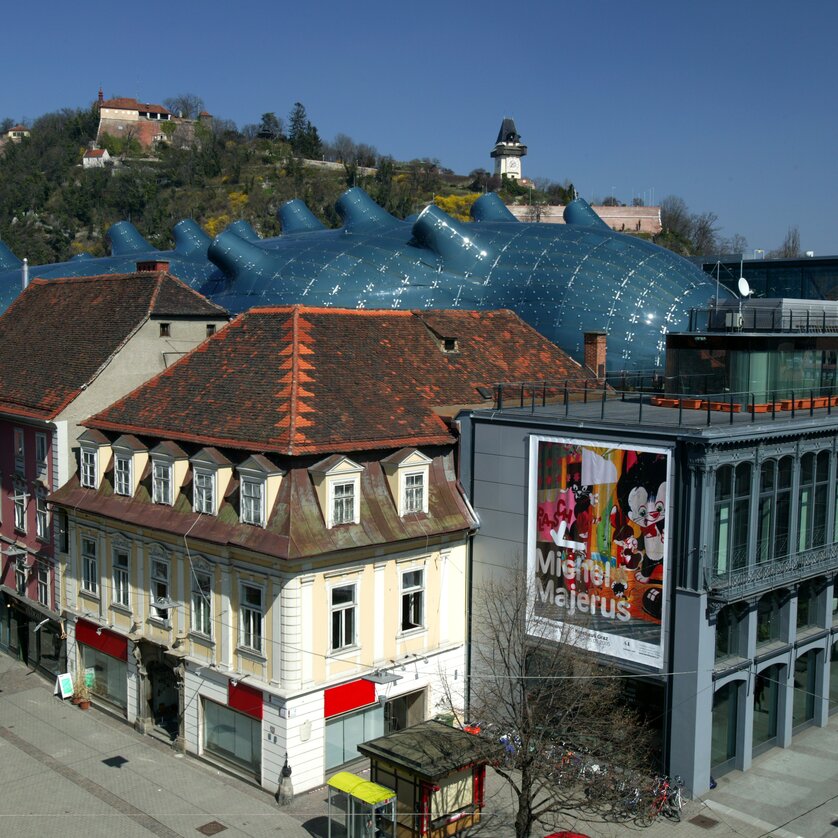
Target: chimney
x=25, y=272
x=152, y=265
x=595, y=352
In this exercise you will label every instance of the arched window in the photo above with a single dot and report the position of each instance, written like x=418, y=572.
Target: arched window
x=732, y=513
x=814, y=493
x=774, y=510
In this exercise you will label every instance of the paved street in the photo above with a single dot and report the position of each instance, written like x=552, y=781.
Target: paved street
x=74, y=773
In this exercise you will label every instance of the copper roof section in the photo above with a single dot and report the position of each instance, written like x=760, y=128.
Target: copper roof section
x=298, y=380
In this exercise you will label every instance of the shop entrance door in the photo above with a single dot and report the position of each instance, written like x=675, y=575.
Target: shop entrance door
x=164, y=698
x=404, y=711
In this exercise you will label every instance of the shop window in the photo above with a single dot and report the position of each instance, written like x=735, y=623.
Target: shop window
x=814, y=492
x=774, y=509
x=835, y=600
x=723, y=735
x=110, y=676
x=731, y=517
x=833, y=678
x=413, y=600
x=345, y=733
x=803, y=702
x=766, y=706
x=233, y=737
x=252, y=617
x=768, y=619
x=728, y=633
x=201, y=603
x=343, y=617
x=121, y=590
x=90, y=566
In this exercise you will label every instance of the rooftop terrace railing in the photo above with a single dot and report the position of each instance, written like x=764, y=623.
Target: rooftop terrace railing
x=650, y=403
x=763, y=319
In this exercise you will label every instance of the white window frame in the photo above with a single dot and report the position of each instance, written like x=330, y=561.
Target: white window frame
x=252, y=505
x=203, y=494
x=160, y=481
x=202, y=602
x=42, y=569
x=338, y=503
x=90, y=565
x=121, y=571
x=41, y=454
x=410, y=594
x=20, y=501
x=20, y=451
x=409, y=504
x=343, y=619
x=123, y=474
x=251, y=619
x=21, y=569
x=41, y=515
x=160, y=575
x=89, y=472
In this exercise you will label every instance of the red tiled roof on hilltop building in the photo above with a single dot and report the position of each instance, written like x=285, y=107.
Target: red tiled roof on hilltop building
x=94, y=152
x=300, y=380
x=59, y=333
x=129, y=104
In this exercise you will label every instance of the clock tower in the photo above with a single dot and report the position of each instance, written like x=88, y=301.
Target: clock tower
x=508, y=150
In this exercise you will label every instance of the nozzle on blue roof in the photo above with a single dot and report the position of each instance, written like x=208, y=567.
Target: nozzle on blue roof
x=125, y=239
x=452, y=241
x=578, y=213
x=234, y=255
x=359, y=212
x=243, y=229
x=190, y=238
x=296, y=217
x=8, y=261
x=490, y=207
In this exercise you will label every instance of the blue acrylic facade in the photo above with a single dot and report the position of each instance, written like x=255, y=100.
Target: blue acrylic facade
x=564, y=280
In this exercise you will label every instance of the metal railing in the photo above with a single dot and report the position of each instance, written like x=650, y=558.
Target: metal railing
x=762, y=319
x=651, y=402
x=763, y=576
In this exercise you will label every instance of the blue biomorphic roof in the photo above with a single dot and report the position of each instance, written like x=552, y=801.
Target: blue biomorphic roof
x=563, y=279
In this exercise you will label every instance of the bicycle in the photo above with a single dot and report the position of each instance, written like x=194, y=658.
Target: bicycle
x=666, y=800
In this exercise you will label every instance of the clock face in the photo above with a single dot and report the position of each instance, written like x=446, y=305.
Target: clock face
x=513, y=164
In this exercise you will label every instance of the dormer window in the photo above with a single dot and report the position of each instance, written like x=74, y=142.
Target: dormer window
x=204, y=500
x=211, y=472
x=414, y=492
x=407, y=473
x=122, y=475
x=94, y=458
x=343, y=503
x=89, y=467
x=130, y=457
x=253, y=502
x=162, y=482
x=259, y=484
x=337, y=481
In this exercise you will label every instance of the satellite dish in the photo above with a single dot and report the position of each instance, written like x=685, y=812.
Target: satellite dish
x=744, y=287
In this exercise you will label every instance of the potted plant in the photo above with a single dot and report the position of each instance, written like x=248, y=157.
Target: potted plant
x=81, y=692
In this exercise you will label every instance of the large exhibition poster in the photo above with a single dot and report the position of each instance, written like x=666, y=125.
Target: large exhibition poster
x=598, y=551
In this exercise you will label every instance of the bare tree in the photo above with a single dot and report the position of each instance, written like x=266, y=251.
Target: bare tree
x=186, y=105
x=790, y=248
x=704, y=233
x=675, y=217
x=571, y=741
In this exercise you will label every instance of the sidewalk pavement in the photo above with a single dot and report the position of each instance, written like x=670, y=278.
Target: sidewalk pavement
x=67, y=772
x=75, y=773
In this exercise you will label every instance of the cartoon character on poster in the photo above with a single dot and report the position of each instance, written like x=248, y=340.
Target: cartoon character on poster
x=600, y=533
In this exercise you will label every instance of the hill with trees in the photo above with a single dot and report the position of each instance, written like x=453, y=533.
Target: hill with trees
x=52, y=208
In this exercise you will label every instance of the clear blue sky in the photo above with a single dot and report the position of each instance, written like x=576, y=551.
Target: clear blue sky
x=729, y=104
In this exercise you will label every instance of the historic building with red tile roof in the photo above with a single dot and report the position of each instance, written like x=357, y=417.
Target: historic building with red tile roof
x=269, y=537
x=68, y=347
